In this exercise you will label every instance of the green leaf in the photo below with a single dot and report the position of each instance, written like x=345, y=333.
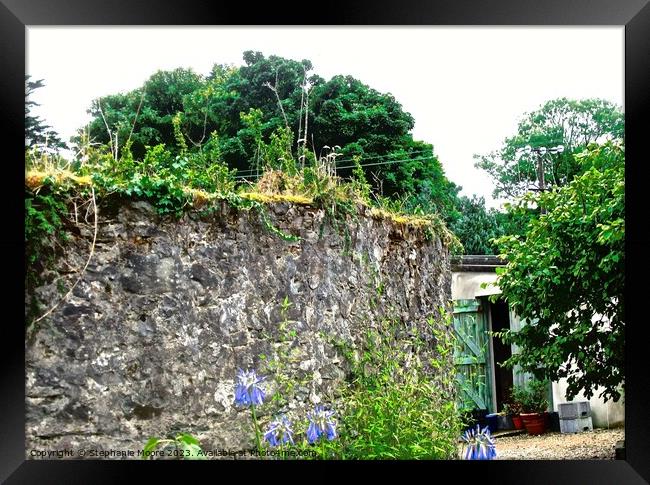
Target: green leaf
x=187, y=438
x=194, y=451
x=149, y=447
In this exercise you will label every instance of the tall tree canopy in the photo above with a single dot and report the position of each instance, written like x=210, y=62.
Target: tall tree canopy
x=246, y=107
x=566, y=275
x=36, y=131
x=569, y=123
x=476, y=226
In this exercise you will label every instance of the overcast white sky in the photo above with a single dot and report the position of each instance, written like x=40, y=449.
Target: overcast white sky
x=466, y=87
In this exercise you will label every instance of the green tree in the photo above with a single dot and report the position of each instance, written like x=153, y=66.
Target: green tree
x=514, y=222
x=572, y=124
x=348, y=111
x=145, y=115
x=271, y=106
x=36, y=131
x=373, y=126
x=476, y=226
x=565, y=276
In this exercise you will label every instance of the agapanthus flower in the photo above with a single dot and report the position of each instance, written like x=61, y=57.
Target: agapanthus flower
x=479, y=444
x=279, y=431
x=321, y=423
x=247, y=390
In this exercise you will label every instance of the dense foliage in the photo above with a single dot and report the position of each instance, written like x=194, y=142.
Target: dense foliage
x=275, y=113
x=400, y=405
x=531, y=397
x=44, y=228
x=572, y=124
x=476, y=226
x=272, y=109
x=566, y=274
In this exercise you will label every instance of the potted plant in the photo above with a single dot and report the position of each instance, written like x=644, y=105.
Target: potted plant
x=515, y=405
x=513, y=410
x=534, y=404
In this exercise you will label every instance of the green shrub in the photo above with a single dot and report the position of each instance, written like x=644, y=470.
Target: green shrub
x=399, y=405
x=44, y=230
x=531, y=398
x=160, y=177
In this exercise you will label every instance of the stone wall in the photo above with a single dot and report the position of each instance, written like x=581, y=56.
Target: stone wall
x=150, y=341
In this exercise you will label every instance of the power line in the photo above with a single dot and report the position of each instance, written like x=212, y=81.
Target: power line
x=417, y=152
x=388, y=162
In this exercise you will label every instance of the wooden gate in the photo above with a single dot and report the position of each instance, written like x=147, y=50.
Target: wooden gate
x=471, y=355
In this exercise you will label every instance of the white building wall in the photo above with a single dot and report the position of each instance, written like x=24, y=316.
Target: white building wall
x=604, y=414
x=467, y=285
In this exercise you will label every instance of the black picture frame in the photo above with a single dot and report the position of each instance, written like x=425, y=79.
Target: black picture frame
x=15, y=15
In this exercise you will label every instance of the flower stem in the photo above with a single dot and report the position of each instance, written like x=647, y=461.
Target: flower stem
x=322, y=448
x=257, y=430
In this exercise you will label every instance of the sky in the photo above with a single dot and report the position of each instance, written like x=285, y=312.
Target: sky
x=466, y=87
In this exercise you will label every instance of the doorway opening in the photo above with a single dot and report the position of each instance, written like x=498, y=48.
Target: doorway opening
x=500, y=317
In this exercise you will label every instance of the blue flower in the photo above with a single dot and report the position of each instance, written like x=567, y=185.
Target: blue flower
x=247, y=391
x=321, y=423
x=479, y=444
x=279, y=431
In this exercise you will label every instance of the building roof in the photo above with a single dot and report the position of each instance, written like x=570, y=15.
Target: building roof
x=476, y=263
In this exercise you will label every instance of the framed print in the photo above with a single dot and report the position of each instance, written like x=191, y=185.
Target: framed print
x=255, y=250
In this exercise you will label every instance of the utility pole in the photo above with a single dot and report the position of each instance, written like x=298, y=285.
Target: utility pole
x=540, y=176
x=541, y=152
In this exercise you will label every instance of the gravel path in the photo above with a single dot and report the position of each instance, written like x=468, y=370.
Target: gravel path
x=598, y=444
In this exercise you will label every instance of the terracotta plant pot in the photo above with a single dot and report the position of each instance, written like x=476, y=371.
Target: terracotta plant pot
x=547, y=419
x=517, y=421
x=534, y=423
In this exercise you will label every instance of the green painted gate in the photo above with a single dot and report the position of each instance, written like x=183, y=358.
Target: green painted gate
x=471, y=355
